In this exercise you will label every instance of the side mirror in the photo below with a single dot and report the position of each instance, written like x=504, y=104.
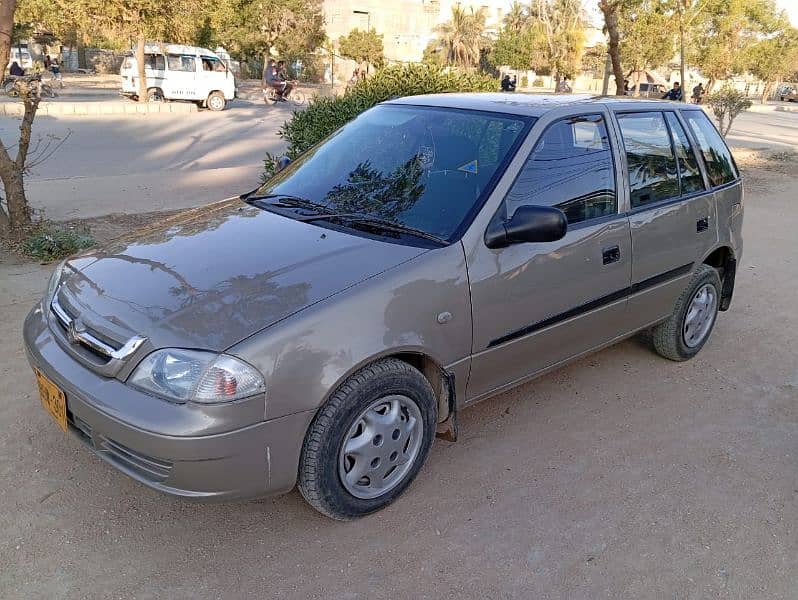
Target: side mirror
x=528, y=224
x=283, y=162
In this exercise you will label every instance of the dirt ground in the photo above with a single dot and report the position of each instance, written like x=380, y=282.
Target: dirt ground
x=620, y=476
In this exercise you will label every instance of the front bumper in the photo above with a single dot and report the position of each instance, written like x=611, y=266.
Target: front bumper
x=256, y=460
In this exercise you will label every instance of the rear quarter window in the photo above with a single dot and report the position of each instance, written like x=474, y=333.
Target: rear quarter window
x=717, y=157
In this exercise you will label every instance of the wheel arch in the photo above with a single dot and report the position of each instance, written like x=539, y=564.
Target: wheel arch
x=440, y=379
x=724, y=260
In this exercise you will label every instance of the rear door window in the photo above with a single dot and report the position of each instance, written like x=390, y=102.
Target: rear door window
x=155, y=62
x=689, y=173
x=717, y=158
x=653, y=175
x=570, y=168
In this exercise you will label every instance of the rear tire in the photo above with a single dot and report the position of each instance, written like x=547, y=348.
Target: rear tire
x=269, y=97
x=216, y=101
x=154, y=95
x=368, y=442
x=688, y=328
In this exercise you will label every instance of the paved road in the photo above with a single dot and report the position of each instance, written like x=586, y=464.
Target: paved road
x=142, y=163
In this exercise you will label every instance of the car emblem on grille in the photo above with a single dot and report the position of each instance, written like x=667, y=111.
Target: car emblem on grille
x=74, y=329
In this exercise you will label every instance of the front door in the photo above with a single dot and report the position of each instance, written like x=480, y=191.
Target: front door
x=538, y=304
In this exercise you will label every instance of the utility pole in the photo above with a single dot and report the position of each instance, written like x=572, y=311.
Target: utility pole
x=368, y=29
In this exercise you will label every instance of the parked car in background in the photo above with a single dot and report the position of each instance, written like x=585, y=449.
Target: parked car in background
x=788, y=93
x=433, y=252
x=647, y=90
x=176, y=72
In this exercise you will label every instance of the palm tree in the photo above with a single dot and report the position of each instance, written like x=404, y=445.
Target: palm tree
x=516, y=18
x=462, y=37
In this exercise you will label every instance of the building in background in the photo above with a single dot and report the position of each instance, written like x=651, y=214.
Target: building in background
x=407, y=26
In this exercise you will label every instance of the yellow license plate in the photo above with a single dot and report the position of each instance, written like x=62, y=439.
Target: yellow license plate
x=53, y=399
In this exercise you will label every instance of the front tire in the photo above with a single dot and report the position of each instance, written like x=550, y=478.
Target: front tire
x=368, y=442
x=688, y=328
x=216, y=101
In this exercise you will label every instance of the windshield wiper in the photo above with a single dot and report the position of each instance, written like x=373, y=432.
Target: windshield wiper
x=287, y=201
x=376, y=223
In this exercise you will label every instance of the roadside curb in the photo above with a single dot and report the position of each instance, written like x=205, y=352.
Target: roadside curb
x=766, y=108
x=17, y=109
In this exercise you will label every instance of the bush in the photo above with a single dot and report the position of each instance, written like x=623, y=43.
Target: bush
x=538, y=82
x=524, y=81
x=326, y=114
x=726, y=104
x=48, y=242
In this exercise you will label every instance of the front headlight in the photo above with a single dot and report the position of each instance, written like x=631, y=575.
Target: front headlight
x=52, y=285
x=191, y=375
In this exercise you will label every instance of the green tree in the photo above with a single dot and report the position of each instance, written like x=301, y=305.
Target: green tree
x=563, y=23
x=463, y=37
x=253, y=28
x=774, y=59
x=516, y=18
x=594, y=58
x=519, y=49
x=362, y=46
x=726, y=104
x=14, y=209
x=434, y=54
x=647, y=39
x=723, y=31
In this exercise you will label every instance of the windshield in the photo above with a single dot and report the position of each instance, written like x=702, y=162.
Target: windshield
x=423, y=168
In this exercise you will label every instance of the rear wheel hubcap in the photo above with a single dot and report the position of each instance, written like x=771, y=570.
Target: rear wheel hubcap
x=700, y=315
x=380, y=447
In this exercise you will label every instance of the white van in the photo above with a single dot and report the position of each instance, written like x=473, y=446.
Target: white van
x=176, y=72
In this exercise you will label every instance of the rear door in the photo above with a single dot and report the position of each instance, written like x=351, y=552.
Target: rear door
x=672, y=212
x=538, y=304
x=722, y=174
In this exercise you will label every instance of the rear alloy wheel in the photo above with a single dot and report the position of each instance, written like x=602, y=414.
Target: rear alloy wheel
x=368, y=442
x=687, y=330
x=216, y=101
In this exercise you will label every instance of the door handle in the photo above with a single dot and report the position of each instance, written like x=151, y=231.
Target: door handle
x=702, y=224
x=611, y=254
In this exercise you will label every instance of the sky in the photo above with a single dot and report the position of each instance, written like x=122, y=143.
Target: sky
x=791, y=6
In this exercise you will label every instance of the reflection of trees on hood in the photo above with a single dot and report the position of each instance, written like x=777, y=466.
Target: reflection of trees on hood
x=368, y=190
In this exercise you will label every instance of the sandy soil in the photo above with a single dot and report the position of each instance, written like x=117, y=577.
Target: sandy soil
x=620, y=476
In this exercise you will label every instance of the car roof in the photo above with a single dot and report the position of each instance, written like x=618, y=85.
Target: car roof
x=533, y=105
x=158, y=48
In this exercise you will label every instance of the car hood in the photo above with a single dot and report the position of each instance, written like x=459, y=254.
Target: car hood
x=211, y=277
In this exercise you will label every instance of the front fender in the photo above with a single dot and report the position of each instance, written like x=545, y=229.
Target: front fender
x=308, y=355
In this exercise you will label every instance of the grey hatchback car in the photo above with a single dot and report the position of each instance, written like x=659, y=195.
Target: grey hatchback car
x=433, y=252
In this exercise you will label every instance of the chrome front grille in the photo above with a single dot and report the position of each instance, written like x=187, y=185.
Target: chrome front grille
x=111, y=356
